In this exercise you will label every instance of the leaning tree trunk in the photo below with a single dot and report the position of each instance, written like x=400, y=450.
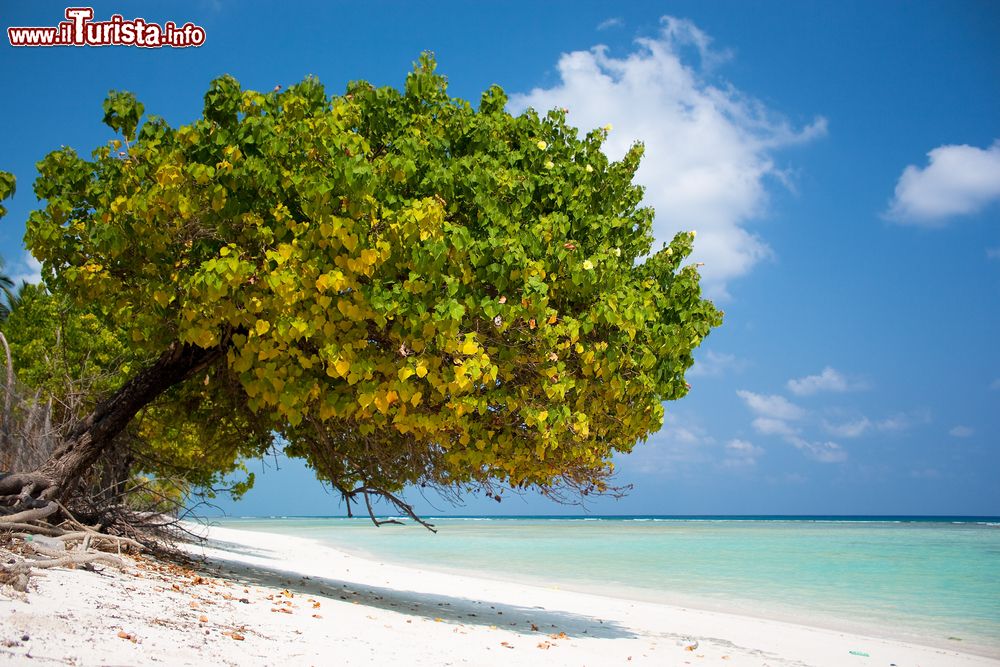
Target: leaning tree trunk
x=91, y=436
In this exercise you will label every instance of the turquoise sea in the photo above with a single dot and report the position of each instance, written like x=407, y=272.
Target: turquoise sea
x=932, y=580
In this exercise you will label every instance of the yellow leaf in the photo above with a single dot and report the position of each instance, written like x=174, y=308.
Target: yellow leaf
x=542, y=415
x=404, y=373
x=470, y=347
x=421, y=370
x=343, y=366
x=262, y=327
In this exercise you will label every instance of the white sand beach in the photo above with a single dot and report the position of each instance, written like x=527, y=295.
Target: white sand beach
x=262, y=599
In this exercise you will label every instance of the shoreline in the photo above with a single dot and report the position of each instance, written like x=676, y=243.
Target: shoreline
x=260, y=595
x=885, y=630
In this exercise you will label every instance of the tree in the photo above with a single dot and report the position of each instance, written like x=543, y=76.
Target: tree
x=66, y=358
x=404, y=288
x=7, y=293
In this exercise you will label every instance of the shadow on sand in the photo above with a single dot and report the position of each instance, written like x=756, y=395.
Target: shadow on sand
x=449, y=609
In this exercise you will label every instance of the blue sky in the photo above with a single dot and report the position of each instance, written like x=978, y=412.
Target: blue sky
x=838, y=161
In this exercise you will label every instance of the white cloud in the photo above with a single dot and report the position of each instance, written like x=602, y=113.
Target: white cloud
x=850, y=429
x=741, y=454
x=714, y=364
x=824, y=452
x=771, y=405
x=769, y=426
x=709, y=147
x=679, y=444
x=829, y=379
x=902, y=421
x=993, y=253
x=28, y=269
x=743, y=448
x=961, y=431
x=773, y=414
x=958, y=180
x=995, y=385
x=614, y=22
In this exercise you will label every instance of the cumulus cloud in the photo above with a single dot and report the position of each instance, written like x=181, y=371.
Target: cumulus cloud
x=715, y=364
x=741, y=454
x=773, y=414
x=681, y=443
x=958, y=180
x=902, y=421
x=961, y=431
x=769, y=426
x=824, y=452
x=829, y=379
x=614, y=22
x=28, y=269
x=709, y=147
x=857, y=427
x=771, y=405
x=850, y=429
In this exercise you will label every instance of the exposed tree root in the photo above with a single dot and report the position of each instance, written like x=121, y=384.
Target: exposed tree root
x=51, y=545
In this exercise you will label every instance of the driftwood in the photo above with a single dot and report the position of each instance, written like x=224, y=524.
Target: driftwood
x=18, y=569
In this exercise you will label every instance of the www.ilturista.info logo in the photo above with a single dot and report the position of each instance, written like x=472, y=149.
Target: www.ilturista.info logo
x=79, y=29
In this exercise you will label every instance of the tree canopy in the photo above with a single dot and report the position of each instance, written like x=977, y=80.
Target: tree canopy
x=403, y=287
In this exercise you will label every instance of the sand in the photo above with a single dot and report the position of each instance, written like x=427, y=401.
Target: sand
x=262, y=599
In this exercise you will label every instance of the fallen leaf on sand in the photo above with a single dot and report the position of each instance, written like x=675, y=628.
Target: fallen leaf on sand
x=203, y=619
x=317, y=616
x=315, y=605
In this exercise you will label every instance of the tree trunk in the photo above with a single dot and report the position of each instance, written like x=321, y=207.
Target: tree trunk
x=91, y=436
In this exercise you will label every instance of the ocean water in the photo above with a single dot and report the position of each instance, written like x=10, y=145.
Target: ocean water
x=928, y=580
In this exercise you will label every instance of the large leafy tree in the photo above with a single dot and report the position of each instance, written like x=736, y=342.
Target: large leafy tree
x=405, y=288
